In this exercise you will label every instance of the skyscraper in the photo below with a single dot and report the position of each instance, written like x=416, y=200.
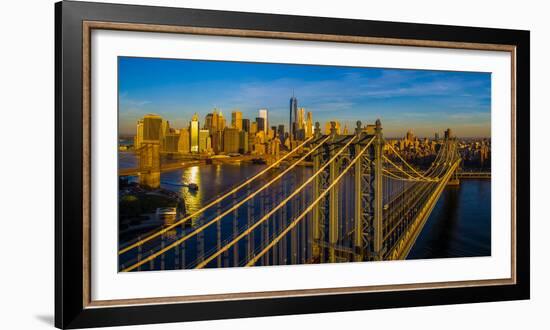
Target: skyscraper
x=151, y=128
x=221, y=121
x=253, y=127
x=215, y=121
x=216, y=142
x=208, y=122
x=292, y=117
x=230, y=140
x=246, y=125
x=243, y=142
x=194, y=133
x=203, y=140
x=263, y=114
x=164, y=130
x=139, y=134
x=237, y=120
x=281, y=132
x=300, y=118
x=261, y=124
x=183, y=142
x=309, y=125
x=171, y=141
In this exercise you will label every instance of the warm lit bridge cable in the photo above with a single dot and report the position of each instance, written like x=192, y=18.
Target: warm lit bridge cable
x=214, y=202
x=391, y=175
x=307, y=210
x=272, y=211
x=404, y=161
x=226, y=212
x=420, y=178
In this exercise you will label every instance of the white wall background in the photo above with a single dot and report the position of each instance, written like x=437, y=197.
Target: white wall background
x=27, y=131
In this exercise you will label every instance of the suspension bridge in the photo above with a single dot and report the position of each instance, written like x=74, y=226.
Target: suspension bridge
x=362, y=201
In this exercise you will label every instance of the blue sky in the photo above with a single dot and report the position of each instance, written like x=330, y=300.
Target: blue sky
x=424, y=101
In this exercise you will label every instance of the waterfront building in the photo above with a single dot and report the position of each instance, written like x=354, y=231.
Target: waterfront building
x=243, y=142
x=264, y=115
x=151, y=128
x=183, y=141
x=237, y=120
x=194, y=133
x=217, y=142
x=171, y=141
x=204, y=135
x=281, y=132
x=230, y=140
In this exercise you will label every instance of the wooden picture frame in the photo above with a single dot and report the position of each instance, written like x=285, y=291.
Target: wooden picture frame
x=74, y=307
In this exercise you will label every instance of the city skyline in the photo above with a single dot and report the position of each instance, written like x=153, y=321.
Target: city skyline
x=424, y=101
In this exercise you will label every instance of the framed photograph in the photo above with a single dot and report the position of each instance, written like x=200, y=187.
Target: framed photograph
x=215, y=164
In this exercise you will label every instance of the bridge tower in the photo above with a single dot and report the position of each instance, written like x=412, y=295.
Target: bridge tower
x=334, y=170
x=149, y=164
x=378, y=193
x=318, y=214
x=368, y=235
x=454, y=181
x=367, y=196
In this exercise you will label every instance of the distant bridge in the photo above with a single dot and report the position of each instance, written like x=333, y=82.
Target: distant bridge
x=473, y=175
x=166, y=167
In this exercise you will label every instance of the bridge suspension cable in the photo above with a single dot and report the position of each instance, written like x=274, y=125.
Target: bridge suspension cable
x=405, y=162
x=214, y=202
x=283, y=203
x=419, y=178
x=226, y=212
x=294, y=223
